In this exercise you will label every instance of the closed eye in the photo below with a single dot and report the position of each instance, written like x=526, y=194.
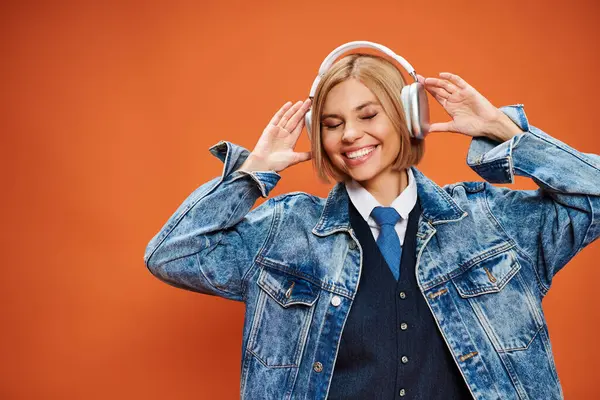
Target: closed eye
x=369, y=116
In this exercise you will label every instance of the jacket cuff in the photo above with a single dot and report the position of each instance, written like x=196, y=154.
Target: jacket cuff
x=492, y=160
x=233, y=156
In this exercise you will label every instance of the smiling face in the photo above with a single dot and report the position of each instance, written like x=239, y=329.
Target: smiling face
x=357, y=107
x=357, y=134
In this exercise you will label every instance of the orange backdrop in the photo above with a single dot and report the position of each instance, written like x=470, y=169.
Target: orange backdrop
x=108, y=109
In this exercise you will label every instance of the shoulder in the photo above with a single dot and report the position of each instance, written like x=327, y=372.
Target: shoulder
x=468, y=195
x=464, y=189
x=299, y=198
x=299, y=203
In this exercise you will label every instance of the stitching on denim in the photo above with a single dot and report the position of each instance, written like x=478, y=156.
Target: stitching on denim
x=482, y=257
x=513, y=375
x=303, y=338
x=513, y=349
x=529, y=175
x=491, y=289
x=274, y=220
x=210, y=284
x=273, y=292
x=431, y=306
x=534, y=306
x=226, y=172
x=270, y=366
x=541, y=285
x=546, y=343
x=177, y=220
x=585, y=237
x=284, y=268
x=564, y=148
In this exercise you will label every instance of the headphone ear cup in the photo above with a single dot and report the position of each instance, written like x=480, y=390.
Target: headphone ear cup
x=308, y=122
x=419, y=110
x=416, y=109
x=406, y=105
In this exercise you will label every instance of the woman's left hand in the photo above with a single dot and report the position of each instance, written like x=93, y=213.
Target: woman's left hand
x=472, y=114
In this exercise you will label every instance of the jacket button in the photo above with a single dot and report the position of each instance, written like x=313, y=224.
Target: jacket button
x=402, y=295
x=352, y=245
x=318, y=367
x=336, y=301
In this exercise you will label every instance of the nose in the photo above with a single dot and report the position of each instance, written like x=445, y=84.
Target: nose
x=351, y=133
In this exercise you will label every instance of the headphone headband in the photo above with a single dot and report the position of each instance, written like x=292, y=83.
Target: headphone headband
x=330, y=59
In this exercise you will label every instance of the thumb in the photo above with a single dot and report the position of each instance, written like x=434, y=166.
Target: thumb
x=442, y=127
x=300, y=157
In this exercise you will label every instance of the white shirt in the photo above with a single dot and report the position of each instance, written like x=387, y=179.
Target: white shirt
x=364, y=202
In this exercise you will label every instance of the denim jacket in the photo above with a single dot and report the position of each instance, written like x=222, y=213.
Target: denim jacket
x=486, y=256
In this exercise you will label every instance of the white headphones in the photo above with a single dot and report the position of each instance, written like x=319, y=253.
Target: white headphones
x=413, y=96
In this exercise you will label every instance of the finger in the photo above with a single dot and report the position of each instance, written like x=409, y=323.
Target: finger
x=288, y=114
x=442, y=127
x=420, y=79
x=298, y=117
x=301, y=157
x=455, y=79
x=441, y=83
x=438, y=92
x=298, y=128
x=441, y=100
x=277, y=117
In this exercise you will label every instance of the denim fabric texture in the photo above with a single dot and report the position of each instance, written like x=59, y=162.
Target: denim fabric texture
x=486, y=257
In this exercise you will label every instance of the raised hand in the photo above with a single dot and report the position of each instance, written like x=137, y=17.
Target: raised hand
x=274, y=150
x=472, y=114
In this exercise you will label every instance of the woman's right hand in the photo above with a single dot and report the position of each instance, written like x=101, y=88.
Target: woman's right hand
x=274, y=151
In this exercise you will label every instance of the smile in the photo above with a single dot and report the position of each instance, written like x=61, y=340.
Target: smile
x=360, y=153
x=359, y=157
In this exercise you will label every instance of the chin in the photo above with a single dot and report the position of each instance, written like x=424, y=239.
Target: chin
x=362, y=174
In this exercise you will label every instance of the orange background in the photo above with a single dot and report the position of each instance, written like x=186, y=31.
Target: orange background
x=107, y=114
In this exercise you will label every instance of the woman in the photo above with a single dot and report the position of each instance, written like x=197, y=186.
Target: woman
x=392, y=286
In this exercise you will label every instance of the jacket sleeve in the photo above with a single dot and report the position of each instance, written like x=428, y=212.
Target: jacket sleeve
x=209, y=244
x=550, y=224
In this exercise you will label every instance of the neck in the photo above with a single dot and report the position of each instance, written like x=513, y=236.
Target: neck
x=387, y=186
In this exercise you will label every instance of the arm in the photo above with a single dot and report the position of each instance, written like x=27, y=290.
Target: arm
x=551, y=224
x=208, y=245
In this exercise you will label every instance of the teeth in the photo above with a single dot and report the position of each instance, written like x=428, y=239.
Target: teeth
x=360, y=153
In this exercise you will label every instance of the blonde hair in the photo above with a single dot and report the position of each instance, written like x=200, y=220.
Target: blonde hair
x=386, y=83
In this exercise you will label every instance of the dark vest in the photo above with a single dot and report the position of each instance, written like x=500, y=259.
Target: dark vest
x=391, y=347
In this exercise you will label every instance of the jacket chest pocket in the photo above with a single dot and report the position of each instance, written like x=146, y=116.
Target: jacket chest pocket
x=283, y=314
x=502, y=301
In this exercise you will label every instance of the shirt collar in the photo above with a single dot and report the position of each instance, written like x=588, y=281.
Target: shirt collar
x=365, y=202
x=437, y=206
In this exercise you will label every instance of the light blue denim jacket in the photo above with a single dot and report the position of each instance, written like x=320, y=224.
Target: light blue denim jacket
x=486, y=256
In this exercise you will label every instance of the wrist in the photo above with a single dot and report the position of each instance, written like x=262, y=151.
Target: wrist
x=253, y=164
x=502, y=128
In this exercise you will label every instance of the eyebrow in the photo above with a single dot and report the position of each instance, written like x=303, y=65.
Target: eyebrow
x=358, y=108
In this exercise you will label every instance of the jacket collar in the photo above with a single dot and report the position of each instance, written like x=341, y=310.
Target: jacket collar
x=437, y=206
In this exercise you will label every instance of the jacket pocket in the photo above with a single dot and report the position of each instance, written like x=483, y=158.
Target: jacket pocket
x=502, y=301
x=283, y=313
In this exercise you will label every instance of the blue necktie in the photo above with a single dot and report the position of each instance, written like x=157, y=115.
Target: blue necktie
x=388, y=241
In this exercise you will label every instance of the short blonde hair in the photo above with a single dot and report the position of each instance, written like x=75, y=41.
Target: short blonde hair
x=386, y=83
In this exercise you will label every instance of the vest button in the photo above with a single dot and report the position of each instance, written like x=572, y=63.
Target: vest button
x=404, y=360
x=402, y=393
x=404, y=326
x=402, y=295
x=336, y=301
x=318, y=367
